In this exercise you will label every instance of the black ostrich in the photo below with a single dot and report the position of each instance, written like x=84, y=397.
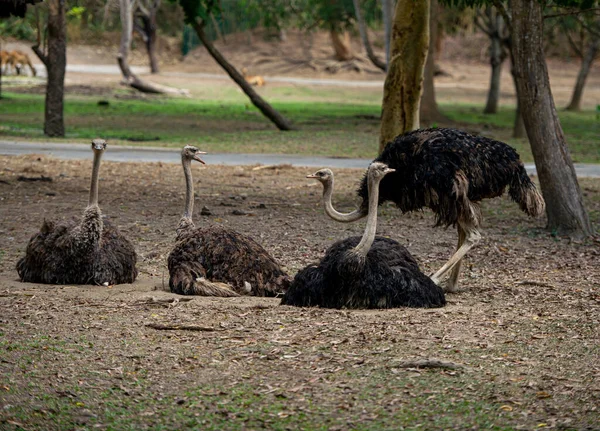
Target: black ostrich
x=367, y=272
x=216, y=261
x=449, y=171
x=89, y=252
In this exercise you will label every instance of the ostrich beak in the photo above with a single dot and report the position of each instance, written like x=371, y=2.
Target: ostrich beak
x=389, y=170
x=312, y=176
x=197, y=157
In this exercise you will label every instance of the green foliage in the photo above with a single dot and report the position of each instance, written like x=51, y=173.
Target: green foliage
x=76, y=12
x=19, y=28
x=573, y=4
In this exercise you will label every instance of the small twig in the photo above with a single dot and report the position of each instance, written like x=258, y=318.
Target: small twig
x=535, y=283
x=429, y=363
x=180, y=327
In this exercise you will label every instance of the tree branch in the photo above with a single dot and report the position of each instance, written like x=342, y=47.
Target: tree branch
x=502, y=10
x=40, y=54
x=572, y=12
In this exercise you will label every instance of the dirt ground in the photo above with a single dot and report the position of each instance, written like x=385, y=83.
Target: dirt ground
x=523, y=332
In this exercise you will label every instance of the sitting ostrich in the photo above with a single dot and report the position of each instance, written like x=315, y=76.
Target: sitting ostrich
x=216, y=261
x=449, y=171
x=367, y=272
x=89, y=252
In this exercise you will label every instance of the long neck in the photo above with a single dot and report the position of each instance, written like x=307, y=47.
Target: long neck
x=189, y=188
x=332, y=212
x=366, y=242
x=95, y=173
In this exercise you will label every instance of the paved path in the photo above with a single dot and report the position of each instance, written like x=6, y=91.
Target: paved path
x=171, y=155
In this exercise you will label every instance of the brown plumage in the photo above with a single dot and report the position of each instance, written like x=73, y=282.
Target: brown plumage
x=89, y=252
x=216, y=261
x=448, y=171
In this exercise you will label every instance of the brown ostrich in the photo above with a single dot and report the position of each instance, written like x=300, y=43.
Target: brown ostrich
x=367, y=272
x=216, y=261
x=448, y=171
x=89, y=252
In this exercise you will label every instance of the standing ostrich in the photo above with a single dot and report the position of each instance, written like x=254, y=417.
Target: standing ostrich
x=89, y=252
x=367, y=272
x=449, y=171
x=216, y=261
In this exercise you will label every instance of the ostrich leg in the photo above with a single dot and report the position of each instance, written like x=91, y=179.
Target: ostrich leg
x=452, y=284
x=471, y=238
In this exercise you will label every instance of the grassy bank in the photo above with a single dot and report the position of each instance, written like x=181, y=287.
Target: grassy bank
x=347, y=126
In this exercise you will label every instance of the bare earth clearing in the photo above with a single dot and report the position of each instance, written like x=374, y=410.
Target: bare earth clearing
x=523, y=332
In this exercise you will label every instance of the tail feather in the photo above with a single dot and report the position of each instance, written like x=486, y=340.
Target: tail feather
x=524, y=192
x=189, y=282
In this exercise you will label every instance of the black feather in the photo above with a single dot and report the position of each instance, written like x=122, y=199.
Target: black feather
x=388, y=277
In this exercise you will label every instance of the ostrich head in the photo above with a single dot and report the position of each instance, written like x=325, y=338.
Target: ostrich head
x=323, y=175
x=190, y=152
x=98, y=144
x=378, y=170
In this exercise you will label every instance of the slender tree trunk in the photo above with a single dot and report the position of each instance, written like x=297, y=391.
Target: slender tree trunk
x=146, y=14
x=519, y=126
x=564, y=204
x=341, y=45
x=387, y=7
x=364, y=36
x=55, y=62
x=129, y=78
x=497, y=57
x=259, y=102
x=429, y=111
x=496, y=61
x=404, y=80
x=150, y=24
x=586, y=64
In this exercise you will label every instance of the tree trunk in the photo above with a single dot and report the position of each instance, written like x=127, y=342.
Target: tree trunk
x=364, y=36
x=429, y=111
x=519, y=126
x=146, y=13
x=55, y=62
x=149, y=30
x=341, y=45
x=259, y=102
x=404, y=80
x=129, y=78
x=497, y=57
x=586, y=64
x=387, y=9
x=496, y=61
x=564, y=204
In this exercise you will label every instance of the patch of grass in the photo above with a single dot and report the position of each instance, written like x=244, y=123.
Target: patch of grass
x=329, y=123
x=432, y=401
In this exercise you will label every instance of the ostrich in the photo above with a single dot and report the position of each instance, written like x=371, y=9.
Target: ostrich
x=449, y=171
x=89, y=252
x=216, y=261
x=367, y=272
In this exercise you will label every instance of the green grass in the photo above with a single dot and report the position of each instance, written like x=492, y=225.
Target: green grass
x=340, y=123
x=434, y=400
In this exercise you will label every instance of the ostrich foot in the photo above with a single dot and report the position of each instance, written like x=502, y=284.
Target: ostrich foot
x=449, y=285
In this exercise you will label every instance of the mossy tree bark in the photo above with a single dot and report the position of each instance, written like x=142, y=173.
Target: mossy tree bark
x=404, y=80
x=564, y=203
